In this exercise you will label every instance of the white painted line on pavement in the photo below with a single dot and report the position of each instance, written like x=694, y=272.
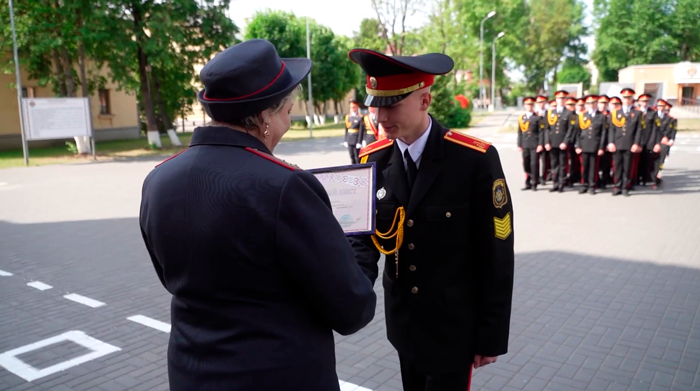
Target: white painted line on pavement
x=152, y=323
x=84, y=300
x=345, y=386
x=5, y=274
x=39, y=285
x=9, y=360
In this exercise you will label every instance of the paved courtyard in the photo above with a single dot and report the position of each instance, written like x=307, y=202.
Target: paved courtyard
x=607, y=290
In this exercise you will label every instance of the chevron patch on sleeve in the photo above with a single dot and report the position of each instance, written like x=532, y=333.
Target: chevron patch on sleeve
x=502, y=227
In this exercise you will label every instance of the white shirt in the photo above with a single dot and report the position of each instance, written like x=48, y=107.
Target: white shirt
x=415, y=149
x=592, y=113
x=559, y=109
x=528, y=115
x=661, y=114
x=626, y=109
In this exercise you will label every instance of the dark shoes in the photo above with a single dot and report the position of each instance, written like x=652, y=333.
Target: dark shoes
x=583, y=191
x=616, y=192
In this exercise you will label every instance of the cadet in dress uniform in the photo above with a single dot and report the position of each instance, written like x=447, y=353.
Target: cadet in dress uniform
x=605, y=161
x=590, y=143
x=541, y=110
x=559, y=127
x=574, y=158
x=448, y=276
x=623, y=140
x=259, y=269
x=647, y=140
x=354, y=131
x=531, y=130
x=666, y=135
x=371, y=126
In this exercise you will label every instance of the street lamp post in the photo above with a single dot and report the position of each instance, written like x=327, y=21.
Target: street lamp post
x=25, y=147
x=309, y=106
x=493, y=71
x=481, y=58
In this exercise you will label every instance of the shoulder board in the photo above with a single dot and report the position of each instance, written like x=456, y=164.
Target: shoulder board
x=171, y=157
x=467, y=141
x=272, y=159
x=376, y=146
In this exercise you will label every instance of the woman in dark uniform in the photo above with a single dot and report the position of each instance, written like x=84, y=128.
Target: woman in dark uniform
x=260, y=271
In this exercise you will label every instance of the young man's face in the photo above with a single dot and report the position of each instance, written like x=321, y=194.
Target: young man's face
x=602, y=106
x=399, y=120
x=540, y=106
x=643, y=104
x=560, y=101
x=354, y=107
x=628, y=101
x=528, y=107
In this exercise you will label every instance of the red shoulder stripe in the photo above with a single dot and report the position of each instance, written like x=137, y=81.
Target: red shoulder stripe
x=467, y=141
x=376, y=146
x=171, y=157
x=270, y=158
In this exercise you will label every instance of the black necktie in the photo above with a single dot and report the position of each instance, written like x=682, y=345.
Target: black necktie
x=411, y=169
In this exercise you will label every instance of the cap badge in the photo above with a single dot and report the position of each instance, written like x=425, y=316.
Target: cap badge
x=373, y=82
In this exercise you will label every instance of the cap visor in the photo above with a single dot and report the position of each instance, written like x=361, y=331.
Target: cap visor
x=383, y=101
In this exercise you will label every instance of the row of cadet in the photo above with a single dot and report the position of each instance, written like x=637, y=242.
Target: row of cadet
x=596, y=141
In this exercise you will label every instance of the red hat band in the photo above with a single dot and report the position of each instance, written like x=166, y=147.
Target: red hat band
x=398, y=84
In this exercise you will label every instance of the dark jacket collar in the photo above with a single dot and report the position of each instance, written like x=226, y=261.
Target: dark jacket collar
x=221, y=135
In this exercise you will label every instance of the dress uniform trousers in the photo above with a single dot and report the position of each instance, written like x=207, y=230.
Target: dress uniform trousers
x=590, y=169
x=558, y=159
x=531, y=164
x=352, y=140
x=655, y=166
x=605, y=167
x=623, y=164
x=644, y=166
x=574, y=165
x=413, y=380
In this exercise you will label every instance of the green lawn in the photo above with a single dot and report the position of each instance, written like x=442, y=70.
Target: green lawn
x=122, y=149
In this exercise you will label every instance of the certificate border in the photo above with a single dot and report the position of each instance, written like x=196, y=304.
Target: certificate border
x=373, y=215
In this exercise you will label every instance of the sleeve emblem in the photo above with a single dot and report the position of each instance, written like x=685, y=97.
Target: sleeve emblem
x=500, y=196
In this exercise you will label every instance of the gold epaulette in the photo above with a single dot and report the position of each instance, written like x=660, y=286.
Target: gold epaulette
x=467, y=141
x=376, y=146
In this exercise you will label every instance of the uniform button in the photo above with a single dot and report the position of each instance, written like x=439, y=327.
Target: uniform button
x=411, y=246
x=409, y=223
x=448, y=215
x=414, y=289
x=412, y=268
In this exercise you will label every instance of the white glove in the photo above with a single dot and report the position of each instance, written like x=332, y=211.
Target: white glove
x=364, y=143
x=358, y=145
x=346, y=144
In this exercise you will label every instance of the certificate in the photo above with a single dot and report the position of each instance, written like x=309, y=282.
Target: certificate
x=351, y=190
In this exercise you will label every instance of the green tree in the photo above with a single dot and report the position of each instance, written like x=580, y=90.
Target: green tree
x=685, y=29
x=282, y=29
x=631, y=33
x=444, y=107
x=369, y=36
x=574, y=72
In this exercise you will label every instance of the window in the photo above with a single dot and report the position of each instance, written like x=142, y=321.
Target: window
x=28, y=92
x=104, y=102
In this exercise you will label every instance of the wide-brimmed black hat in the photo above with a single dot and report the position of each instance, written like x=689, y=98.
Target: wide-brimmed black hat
x=248, y=78
x=391, y=79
